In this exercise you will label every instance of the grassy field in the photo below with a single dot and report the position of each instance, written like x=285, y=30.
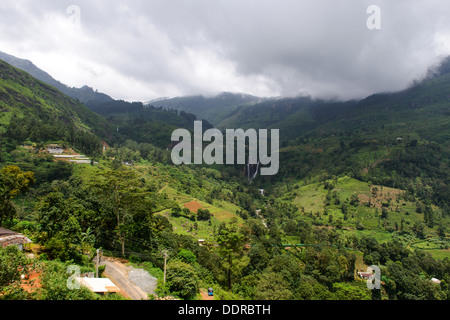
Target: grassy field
x=438, y=248
x=221, y=211
x=363, y=218
x=367, y=210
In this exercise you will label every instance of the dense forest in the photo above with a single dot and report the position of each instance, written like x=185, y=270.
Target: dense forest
x=355, y=188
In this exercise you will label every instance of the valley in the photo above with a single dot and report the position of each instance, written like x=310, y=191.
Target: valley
x=360, y=183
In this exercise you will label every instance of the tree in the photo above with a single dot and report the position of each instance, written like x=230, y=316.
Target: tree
x=13, y=181
x=54, y=281
x=310, y=289
x=176, y=210
x=52, y=213
x=354, y=199
x=187, y=256
x=12, y=265
x=441, y=231
x=419, y=229
x=272, y=286
x=61, y=248
x=259, y=257
x=123, y=196
x=160, y=223
x=344, y=291
x=384, y=213
x=231, y=244
x=289, y=269
x=182, y=279
x=203, y=214
x=407, y=285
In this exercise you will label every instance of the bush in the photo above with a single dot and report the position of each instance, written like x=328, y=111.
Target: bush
x=182, y=279
x=187, y=256
x=43, y=256
x=54, y=284
x=59, y=248
x=359, y=226
x=101, y=269
x=23, y=226
x=203, y=214
x=134, y=259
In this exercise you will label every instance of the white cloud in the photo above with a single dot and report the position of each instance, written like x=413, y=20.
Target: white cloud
x=140, y=50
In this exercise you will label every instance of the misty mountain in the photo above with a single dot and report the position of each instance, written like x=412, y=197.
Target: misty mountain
x=423, y=106
x=211, y=108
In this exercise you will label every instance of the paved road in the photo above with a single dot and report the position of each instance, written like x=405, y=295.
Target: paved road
x=134, y=283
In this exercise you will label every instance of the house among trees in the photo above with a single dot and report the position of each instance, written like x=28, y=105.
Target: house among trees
x=54, y=149
x=9, y=237
x=104, y=145
x=365, y=275
x=434, y=280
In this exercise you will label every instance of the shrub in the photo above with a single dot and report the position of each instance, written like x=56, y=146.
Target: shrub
x=182, y=279
x=187, y=256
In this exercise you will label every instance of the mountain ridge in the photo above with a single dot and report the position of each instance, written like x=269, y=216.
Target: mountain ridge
x=84, y=94
x=32, y=109
x=212, y=108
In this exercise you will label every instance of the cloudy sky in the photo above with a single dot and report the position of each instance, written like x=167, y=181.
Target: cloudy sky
x=139, y=50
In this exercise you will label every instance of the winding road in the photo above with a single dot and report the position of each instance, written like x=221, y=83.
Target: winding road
x=135, y=284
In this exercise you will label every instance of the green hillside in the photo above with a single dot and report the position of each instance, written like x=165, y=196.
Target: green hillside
x=28, y=92
x=32, y=110
x=144, y=124
x=84, y=94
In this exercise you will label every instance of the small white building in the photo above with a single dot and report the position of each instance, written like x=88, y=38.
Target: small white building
x=365, y=275
x=434, y=280
x=54, y=149
x=98, y=285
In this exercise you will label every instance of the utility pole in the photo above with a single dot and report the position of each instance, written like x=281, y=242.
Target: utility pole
x=98, y=262
x=165, y=261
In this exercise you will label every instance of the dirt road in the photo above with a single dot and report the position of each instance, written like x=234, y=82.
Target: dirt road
x=134, y=283
x=205, y=296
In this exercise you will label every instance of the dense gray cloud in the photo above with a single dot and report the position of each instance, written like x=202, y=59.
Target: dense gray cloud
x=140, y=50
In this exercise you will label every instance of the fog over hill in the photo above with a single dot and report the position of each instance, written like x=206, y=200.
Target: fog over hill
x=143, y=50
